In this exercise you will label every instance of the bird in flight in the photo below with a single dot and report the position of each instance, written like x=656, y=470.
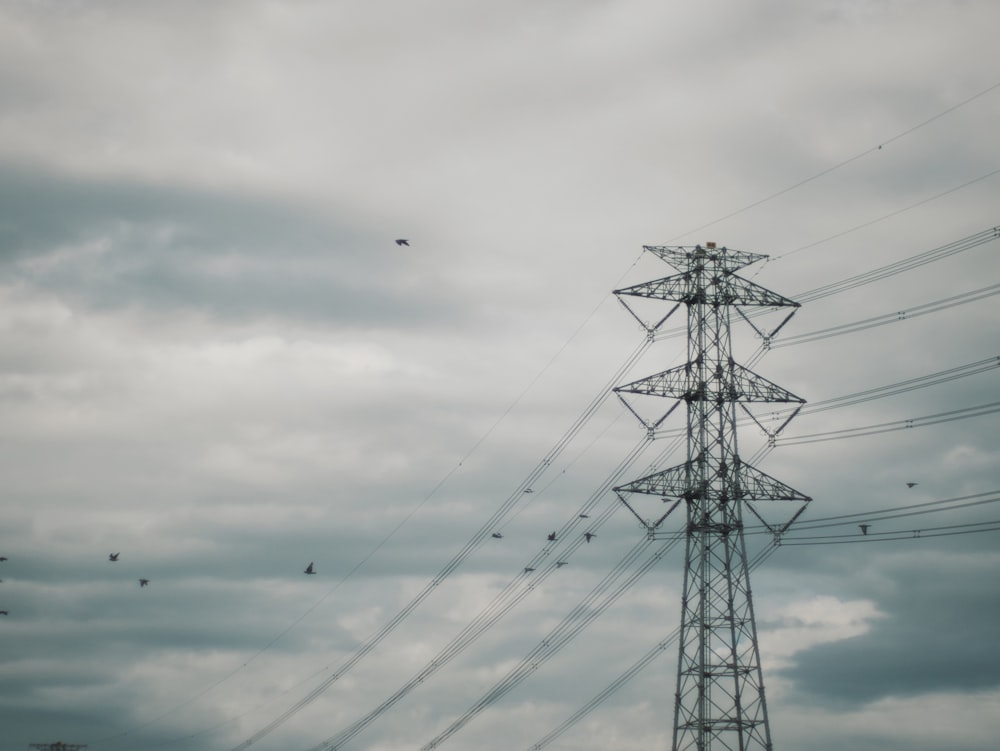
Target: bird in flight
x=4, y=612
x=113, y=556
x=560, y=564
x=589, y=535
x=403, y=241
x=143, y=582
x=498, y=536
x=584, y=516
x=309, y=569
x=528, y=569
x=864, y=528
x=912, y=484
x=552, y=536
x=3, y=558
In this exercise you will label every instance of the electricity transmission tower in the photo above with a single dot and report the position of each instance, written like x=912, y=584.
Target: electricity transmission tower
x=719, y=702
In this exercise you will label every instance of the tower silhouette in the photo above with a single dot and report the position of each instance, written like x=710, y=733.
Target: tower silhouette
x=719, y=703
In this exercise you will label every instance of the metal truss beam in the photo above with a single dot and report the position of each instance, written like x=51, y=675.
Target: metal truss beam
x=732, y=382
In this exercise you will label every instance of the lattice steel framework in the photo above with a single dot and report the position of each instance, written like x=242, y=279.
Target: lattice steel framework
x=719, y=702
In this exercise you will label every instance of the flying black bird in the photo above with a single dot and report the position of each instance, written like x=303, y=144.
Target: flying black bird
x=309, y=569
x=403, y=241
x=584, y=516
x=528, y=490
x=497, y=535
x=113, y=556
x=143, y=582
x=4, y=612
x=528, y=569
x=589, y=535
x=912, y=484
x=560, y=564
x=552, y=536
x=3, y=558
x=864, y=528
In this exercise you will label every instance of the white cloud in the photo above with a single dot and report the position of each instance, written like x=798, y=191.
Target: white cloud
x=817, y=620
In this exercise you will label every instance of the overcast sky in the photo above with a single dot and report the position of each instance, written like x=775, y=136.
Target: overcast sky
x=216, y=361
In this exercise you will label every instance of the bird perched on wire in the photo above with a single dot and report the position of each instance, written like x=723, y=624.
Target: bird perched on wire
x=403, y=241
x=864, y=528
x=309, y=569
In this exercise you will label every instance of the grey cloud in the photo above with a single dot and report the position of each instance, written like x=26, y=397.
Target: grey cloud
x=937, y=636
x=113, y=244
x=226, y=383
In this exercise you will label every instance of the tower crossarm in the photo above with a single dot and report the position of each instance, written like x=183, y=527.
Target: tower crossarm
x=746, y=483
x=733, y=384
x=683, y=257
x=669, y=483
x=755, y=485
x=723, y=288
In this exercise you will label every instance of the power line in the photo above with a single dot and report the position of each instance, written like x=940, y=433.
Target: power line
x=531, y=384
x=351, y=731
x=859, y=280
x=898, y=267
x=838, y=165
x=894, y=317
x=338, y=740
x=661, y=647
x=897, y=212
x=887, y=427
x=903, y=387
x=569, y=628
x=945, y=531
x=481, y=535
x=501, y=604
x=342, y=738
x=868, y=395
x=631, y=672
x=515, y=591
x=895, y=512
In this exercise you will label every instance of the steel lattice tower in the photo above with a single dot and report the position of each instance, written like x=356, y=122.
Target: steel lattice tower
x=719, y=702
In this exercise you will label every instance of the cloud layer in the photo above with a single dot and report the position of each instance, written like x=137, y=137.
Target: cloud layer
x=217, y=362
